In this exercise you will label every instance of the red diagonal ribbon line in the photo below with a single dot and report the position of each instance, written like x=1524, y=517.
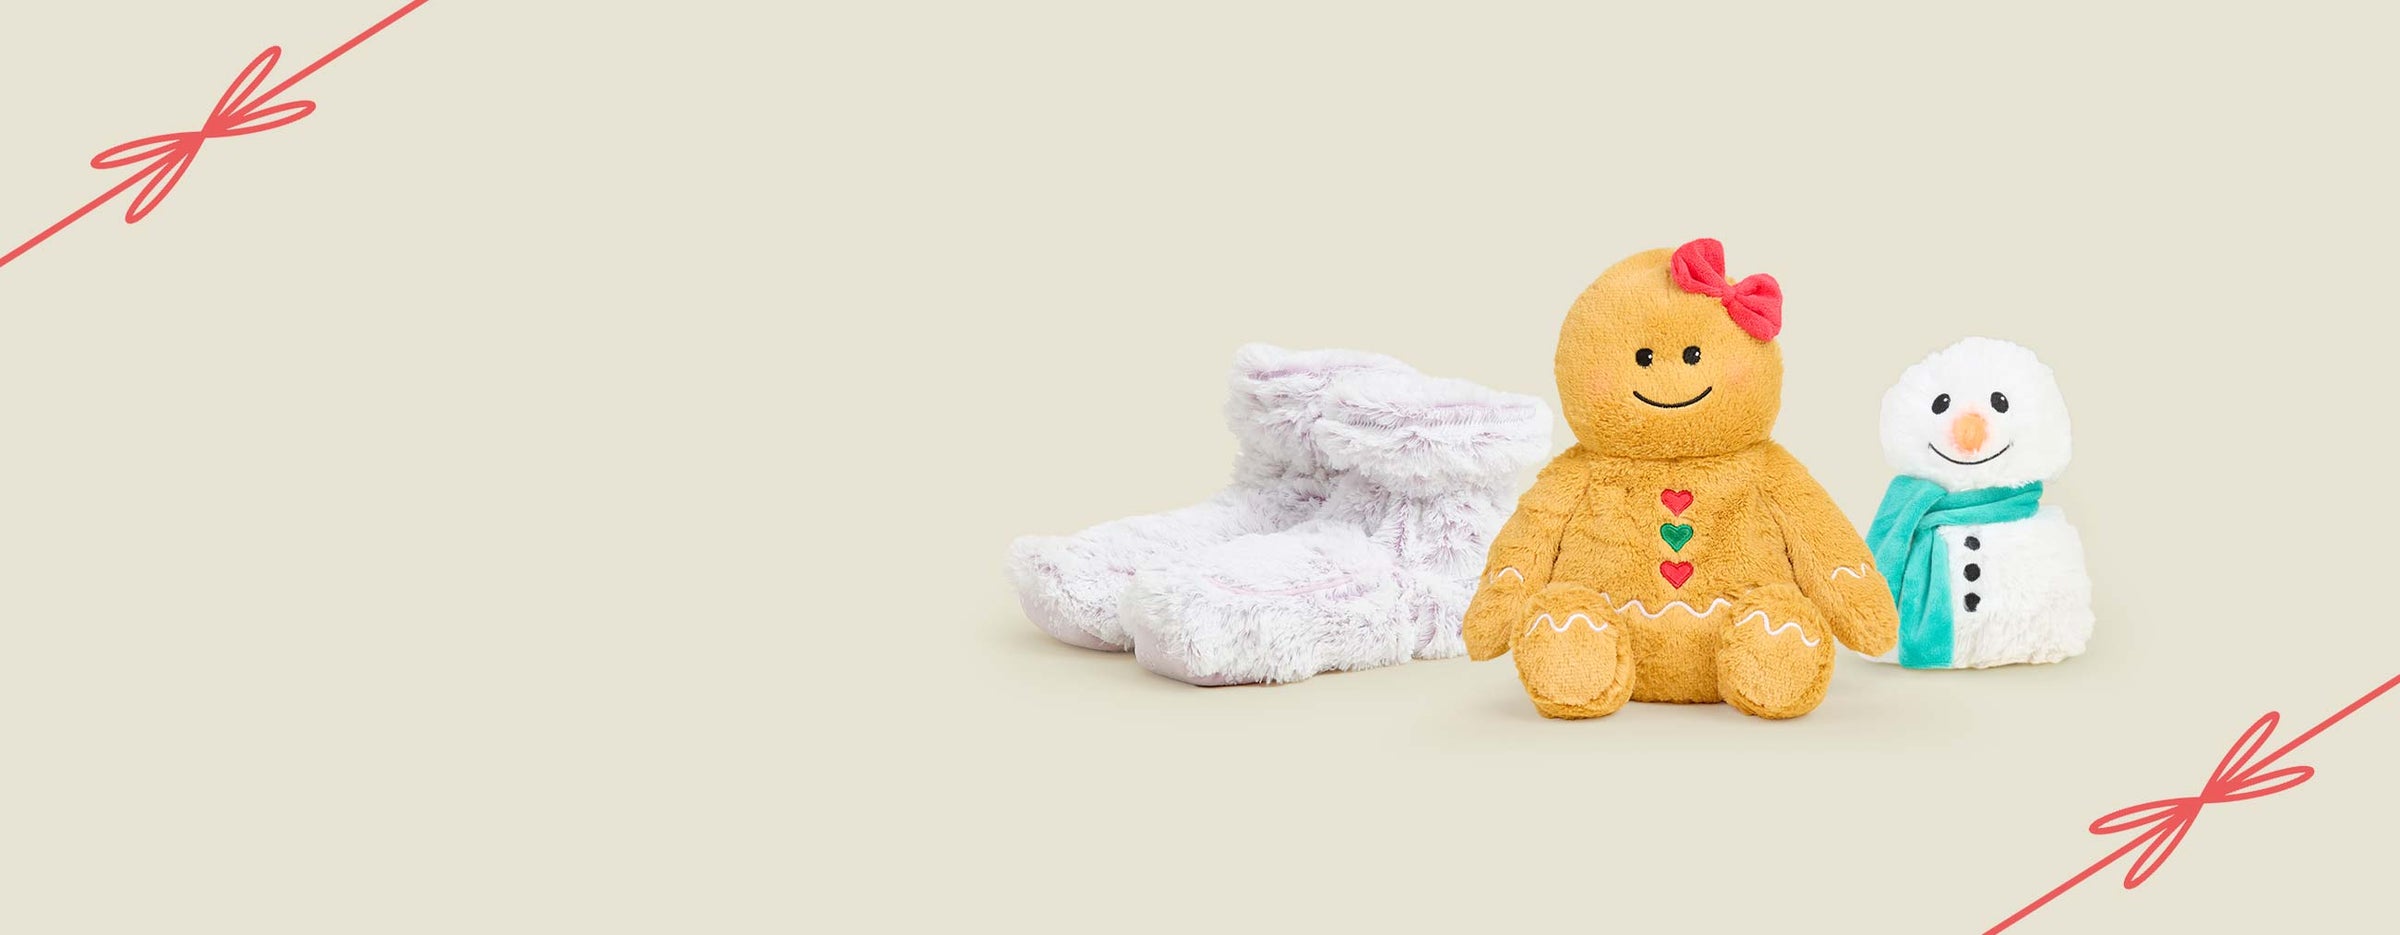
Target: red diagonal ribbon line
x=2242, y=774
x=241, y=111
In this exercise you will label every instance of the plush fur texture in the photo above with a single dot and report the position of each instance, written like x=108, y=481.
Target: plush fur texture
x=1675, y=553
x=1070, y=585
x=1413, y=472
x=2032, y=595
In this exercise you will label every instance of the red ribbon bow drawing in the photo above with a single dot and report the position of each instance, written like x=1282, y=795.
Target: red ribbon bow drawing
x=242, y=110
x=2237, y=778
x=2241, y=774
x=1755, y=303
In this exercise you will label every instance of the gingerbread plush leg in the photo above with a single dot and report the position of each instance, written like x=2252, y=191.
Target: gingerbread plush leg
x=1775, y=656
x=1574, y=655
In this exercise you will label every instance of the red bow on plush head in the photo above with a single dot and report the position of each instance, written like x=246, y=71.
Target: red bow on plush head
x=1756, y=303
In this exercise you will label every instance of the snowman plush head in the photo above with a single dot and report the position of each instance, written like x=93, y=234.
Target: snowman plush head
x=1979, y=413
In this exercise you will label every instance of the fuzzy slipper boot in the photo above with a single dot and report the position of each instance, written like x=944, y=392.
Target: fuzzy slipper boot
x=1070, y=586
x=1385, y=570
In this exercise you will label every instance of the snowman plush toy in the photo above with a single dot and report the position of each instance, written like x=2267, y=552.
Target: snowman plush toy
x=1983, y=572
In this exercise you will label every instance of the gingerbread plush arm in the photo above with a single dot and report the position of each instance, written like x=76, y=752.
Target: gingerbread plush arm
x=1518, y=565
x=1830, y=562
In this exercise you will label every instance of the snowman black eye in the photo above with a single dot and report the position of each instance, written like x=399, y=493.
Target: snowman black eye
x=1941, y=404
x=1642, y=357
x=1691, y=355
x=1999, y=402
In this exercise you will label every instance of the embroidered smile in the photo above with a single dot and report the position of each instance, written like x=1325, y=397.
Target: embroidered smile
x=2003, y=450
x=1637, y=394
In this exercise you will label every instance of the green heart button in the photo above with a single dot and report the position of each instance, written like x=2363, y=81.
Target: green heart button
x=1676, y=535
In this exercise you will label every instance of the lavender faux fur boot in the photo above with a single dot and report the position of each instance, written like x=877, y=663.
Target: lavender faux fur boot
x=1423, y=469
x=1070, y=585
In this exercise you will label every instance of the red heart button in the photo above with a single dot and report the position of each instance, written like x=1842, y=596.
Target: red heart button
x=1676, y=573
x=1676, y=501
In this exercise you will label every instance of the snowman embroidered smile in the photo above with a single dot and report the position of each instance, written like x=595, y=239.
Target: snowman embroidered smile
x=2003, y=450
x=1691, y=358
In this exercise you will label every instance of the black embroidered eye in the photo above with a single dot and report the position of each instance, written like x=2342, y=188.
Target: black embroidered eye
x=1999, y=402
x=1642, y=357
x=1941, y=404
x=1691, y=355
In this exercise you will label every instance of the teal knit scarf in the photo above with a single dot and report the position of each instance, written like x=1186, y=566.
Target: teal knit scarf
x=1904, y=540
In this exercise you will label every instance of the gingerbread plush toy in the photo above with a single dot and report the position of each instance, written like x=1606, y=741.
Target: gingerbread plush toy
x=1676, y=553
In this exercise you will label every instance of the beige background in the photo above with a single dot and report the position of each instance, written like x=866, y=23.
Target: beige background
x=561, y=485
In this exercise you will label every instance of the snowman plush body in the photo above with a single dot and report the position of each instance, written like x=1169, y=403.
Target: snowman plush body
x=1983, y=572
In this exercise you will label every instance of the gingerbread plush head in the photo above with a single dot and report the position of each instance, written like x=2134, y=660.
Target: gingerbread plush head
x=1666, y=357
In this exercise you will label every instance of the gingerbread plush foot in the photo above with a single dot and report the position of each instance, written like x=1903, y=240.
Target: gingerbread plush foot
x=1775, y=657
x=1575, y=657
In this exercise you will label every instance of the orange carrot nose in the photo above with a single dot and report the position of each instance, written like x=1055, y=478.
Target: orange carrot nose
x=1969, y=432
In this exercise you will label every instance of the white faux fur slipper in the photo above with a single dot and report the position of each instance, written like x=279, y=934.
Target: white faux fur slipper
x=1422, y=470
x=1070, y=585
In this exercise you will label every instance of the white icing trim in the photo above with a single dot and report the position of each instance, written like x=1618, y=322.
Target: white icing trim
x=1766, y=622
x=1510, y=570
x=1857, y=571
x=1557, y=627
x=1633, y=605
x=1670, y=605
x=1778, y=630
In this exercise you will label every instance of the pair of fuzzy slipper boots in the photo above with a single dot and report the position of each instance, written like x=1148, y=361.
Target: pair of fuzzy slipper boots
x=1363, y=500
